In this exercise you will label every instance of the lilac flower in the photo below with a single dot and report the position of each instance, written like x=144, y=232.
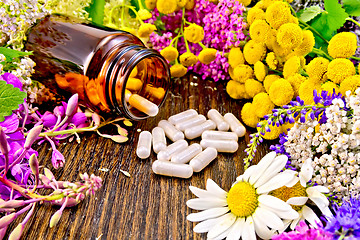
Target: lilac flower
x=346, y=221
x=303, y=232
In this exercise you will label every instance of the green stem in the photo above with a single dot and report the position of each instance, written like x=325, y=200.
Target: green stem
x=182, y=30
x=355, y=58
x=174, y=39
x=135, y=12
x=352, y=20
x=313, y=30
x=321, y=53
x=202, y=45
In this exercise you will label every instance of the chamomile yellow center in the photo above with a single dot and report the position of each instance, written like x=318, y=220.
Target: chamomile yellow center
x=242, y=199
x=285, y=193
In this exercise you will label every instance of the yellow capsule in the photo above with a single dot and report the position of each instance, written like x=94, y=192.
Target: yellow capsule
x=134, y=84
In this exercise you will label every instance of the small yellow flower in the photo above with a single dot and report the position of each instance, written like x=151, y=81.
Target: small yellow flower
x=317, y=68
x=255, y=13
x=146, y=29
x=236, y=90
x=181, y=3
x=271, y=39
x=190, y=4
x=170, y=53
x=339, y=69
x=280, y=51
x=259, y=30
x=292, y=66
x=281, y=92
x=253, y=87
x=207, y=55
x=254, y=51
x=150, y=4
x=260, y=71
x=350, y=83
x=277, y=14
x=330, y=87
x=188, y=59
x=178, y=70
x=295, y=81
x=166, y=6
x=274, y=132
x=272, y=61
x=262, y=104
x=245, y=2
x=306, y=45
x=144, y=14
x=306, y=91
x=242, y=72
x=342, y=45
x=289, y=35
x=235, y=57
x=194, y=33
x=248, y=115
x=269, y=79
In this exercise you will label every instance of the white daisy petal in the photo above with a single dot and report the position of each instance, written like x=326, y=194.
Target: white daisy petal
x=206, y=225
x=276, y=182
x=269, y=218
x=317, y=197
x=250, y=171
x=213, y=188
x=306, y=172
x=273, y=203
x=262, y=166
x=206, y=203
x=292, y=214
x=292, y=182
x=278, y=164
x=222, y=235
x=236, y=229
x=260, y=227
x=310, y=216
x=321, y=189
x=201, y=193
x=296, y=221
x=239, y=179
x=222, y=226
x=248, y=230
x=286, y=225
x=297, y=201
x=207, y=214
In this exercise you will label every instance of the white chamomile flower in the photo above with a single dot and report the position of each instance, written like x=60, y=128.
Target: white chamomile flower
x=246, y=210
x=298, y=194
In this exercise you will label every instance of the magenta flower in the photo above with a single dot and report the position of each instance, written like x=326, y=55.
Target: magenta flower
x=57, y=159
x=303, y=232
x=12, y=79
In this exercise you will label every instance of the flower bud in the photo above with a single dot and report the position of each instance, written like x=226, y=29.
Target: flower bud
x=119, y=138
x=44, y=179
x=96, y=118
x=49, y=174
x=72, y=105
x=34, y=165
x=7, y=219
x=57, y=159
x=17, y=232
x=55, y=218
x=12, y=204
x=32, y=135
x=49, y=119
x=3, y=142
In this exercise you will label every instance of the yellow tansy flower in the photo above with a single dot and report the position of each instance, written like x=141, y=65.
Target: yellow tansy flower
x=170, y=53
x=296, y=80
x=289, y=35
x=207, y=55
x=166, y=6
x=248, y=115
x=259, y=30
x=306, y=91
x=330, y=87
x=146, y=29
x=178, y=70
x=254, y=51
x=271, y=39
x=280, y=51
x=260, y=71
x=317, y=68
x=150, y=4
x=181, y=3
x=194, y=33
x=235, y=57
x=306, y=45
x=144, y=14
x=262, y=104
x=342, y=45
x=236, y=90
x=242, y=72
x=190, y=4
x=339, y=69
x=292, y=66
x=255, y=13
x=253, y=87
x=188, y=59
x=271, y=60
x=350, y=83
x=281, y=92
x=277, y=14
x=269, y=79
x=245, y=2
x=274, y=133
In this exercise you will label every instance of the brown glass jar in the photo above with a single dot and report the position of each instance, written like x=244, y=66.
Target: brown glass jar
x=100, y=64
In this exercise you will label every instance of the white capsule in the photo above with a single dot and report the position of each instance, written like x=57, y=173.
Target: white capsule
x=143, y=105
x=219, y=135
x=127, y=95
x=200, y=161
x=183, y=116
x=229, y=146
x=170, y=131
x=219, y=120
x=187, y=154
x=235, y=124
x=169, y=151
x=172, y=169
x=182, y=126
x=144, y=145
x=158, y=139
x=196, y=131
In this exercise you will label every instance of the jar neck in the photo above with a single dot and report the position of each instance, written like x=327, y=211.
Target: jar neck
x=154, y=74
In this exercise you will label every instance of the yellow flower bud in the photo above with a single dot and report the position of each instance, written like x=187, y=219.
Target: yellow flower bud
x=194, y=33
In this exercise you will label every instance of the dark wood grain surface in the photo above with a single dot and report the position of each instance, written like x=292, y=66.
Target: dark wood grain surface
x=145, y=205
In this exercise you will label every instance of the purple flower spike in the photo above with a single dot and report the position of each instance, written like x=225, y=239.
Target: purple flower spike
x=31, y=137
x=57, y=159
x=72, y=105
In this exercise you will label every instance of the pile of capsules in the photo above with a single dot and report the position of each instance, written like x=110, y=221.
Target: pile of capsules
x=181, y=160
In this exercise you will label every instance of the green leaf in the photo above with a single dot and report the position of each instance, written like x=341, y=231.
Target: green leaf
x=336, y=16
x=352, y=7
x=11, y=53
x=96, y=11
x=319, y=23
x=309, y=13
x=10, y=99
